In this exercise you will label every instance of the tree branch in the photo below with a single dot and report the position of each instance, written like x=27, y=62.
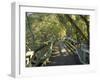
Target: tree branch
x=70, y=19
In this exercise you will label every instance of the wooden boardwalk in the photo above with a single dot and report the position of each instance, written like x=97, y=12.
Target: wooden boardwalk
x=72, y=59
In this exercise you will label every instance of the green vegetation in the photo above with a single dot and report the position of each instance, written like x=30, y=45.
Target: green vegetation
x=49, y=34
